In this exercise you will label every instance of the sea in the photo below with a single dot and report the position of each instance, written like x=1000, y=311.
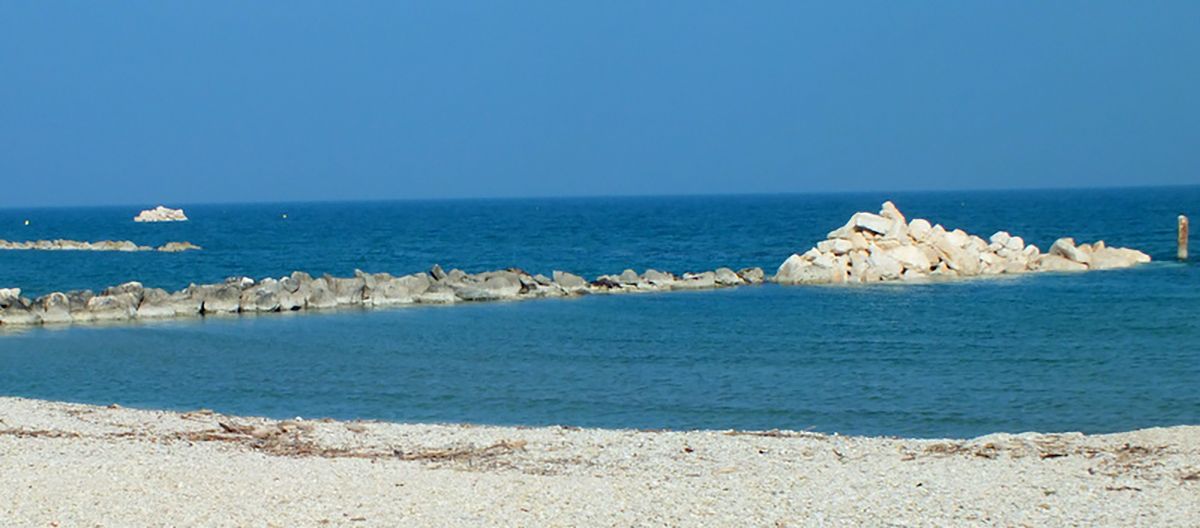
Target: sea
x=1094, y=352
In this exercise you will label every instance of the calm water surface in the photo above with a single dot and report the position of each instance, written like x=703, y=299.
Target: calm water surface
x=1096, y=352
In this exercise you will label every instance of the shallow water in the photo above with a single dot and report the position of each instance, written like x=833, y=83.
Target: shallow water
x=1096, y=352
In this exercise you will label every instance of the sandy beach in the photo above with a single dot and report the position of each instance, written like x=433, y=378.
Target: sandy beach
x=80, y=465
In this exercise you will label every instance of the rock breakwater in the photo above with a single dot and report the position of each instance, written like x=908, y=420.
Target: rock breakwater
x=886, y=247
x=103, y=245
x=301, y=291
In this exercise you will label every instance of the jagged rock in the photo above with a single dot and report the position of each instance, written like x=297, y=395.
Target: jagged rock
x=318, y=294
x=348, y=291
x=16, y=310
x=155, y=304
x=161, y=214
x=184, y=304
x=752, y=275
x=837, y=246
x=218, y=298
x=8, y=295
x=569, y=281
x=911, y=258
x=886, y=266
x=456, y=276
x=401, y=290
x=727, y=277
x=437, y=273
x=113, y=307
x=133, y=288
x=262, y=297
x=889, y=211
x=1065, y=247
x=873, y=223
x=54, y=308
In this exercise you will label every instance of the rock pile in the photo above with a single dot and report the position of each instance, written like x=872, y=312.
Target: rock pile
x=887, y=247
x=161, y=214
x=301, y=291
x=103, y=245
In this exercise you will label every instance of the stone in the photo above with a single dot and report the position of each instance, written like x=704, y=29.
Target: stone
x=133, y=288
x=1065, y=247
x=919, y=229
x=184, y=304
x=658, y=278
x=54, y=308
x=437, y=273
x=161, y=214
x=176, y=247
x=837, y=246
x=346, y=291
x=872, y=222
x=1055, y=262
x=1114, y=258
x=113, y=307
x=262, y=297
x=752, y=275
x=886, y=266
x=494, y=288
x=401, y=290
x=957, y=238
x=911, y=258
x=218, y=299
x=1000, y=237
x=569, y=281
x=456, y=276
x=1015, y=243
x=697, y=281
x=319, y=295
x=19, y=315
x=727, y=277
x=437, y=294
x=890, y=212
x=857, y=241
x=629, y=277
x=155, y=304
x=78, y=300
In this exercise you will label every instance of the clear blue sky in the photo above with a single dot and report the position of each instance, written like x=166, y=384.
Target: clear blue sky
x=151, y=101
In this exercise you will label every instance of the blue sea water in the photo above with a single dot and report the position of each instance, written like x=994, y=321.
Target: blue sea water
x=1094, y=352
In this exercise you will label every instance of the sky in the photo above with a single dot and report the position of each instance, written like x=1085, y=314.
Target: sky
x=146, y=102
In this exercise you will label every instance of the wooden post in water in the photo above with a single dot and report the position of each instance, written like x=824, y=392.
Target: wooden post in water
x=1183, y=237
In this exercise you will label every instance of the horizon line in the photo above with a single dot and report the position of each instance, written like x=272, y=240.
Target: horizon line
x=608, y=196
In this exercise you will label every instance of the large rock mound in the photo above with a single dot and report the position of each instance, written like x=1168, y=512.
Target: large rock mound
x=887, y=247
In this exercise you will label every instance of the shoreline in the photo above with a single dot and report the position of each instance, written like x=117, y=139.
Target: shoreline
x=85, y=464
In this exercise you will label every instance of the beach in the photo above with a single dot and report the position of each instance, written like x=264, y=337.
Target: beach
x=80, y=465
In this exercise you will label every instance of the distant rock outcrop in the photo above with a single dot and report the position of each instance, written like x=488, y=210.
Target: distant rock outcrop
x=886, y=247
x=161, y=214
x=103, y=245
